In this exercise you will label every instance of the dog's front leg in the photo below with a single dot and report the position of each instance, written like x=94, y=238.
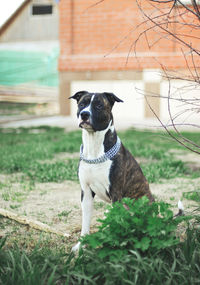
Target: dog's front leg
x=87, y=199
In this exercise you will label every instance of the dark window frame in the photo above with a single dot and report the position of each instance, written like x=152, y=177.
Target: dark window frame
x=41, y=10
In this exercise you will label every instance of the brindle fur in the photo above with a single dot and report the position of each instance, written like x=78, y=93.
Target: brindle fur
x=126, y=177
x=130, y=181
x=116, y=178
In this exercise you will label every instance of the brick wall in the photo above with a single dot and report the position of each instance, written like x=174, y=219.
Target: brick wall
x=103, y=37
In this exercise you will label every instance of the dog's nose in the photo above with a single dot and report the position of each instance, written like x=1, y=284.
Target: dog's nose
x=85, y=115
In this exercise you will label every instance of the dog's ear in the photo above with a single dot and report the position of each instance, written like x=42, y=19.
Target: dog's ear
x=77, y=96
x=112, y=98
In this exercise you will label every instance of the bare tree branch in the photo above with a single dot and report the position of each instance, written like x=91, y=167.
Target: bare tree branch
x=178, y=22
x=169, y=132
x=162, y=22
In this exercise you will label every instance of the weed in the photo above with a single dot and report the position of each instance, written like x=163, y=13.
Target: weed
x=99, y=205
x=44, y=192
x=193, y=195
x=6, y=196
x=173, y=265
x=16, y=206
x=53, y=172
x=14, y=194
x=64, y=214
x=143, y=227
x=2, y=185
x=166, y=168
x=121, y=254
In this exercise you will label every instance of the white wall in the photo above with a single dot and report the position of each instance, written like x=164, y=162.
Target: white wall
x=184, y=102
x=131, y=110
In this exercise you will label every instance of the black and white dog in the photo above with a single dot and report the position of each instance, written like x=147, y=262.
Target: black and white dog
x=106, y=168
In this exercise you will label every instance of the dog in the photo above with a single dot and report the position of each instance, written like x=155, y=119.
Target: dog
x=106, y=169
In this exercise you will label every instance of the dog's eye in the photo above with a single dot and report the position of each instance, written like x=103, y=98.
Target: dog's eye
x=99, y=107
x=81, y=105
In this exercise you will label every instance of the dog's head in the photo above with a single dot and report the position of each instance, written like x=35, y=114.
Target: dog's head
x=95, y=109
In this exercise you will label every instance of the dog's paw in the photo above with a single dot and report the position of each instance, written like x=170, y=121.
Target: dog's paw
x=76, y=247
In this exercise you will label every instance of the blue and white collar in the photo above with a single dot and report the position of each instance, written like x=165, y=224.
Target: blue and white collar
x=106, y=156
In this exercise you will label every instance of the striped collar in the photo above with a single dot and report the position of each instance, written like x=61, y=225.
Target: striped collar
x=106, y=156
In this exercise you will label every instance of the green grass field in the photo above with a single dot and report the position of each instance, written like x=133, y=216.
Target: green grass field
x=26, y=150
x=37, y=155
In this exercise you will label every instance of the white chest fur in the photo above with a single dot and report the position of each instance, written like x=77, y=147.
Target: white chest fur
x=95, y=177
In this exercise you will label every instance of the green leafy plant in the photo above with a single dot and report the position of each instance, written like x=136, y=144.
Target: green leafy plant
x=134, y=225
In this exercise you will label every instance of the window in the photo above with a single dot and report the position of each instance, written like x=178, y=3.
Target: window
x=42, y=10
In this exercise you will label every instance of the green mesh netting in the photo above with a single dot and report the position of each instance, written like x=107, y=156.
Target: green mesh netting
x=19, y=67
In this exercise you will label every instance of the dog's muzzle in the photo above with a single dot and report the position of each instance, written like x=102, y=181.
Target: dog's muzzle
x=85, y=116
x=85, y=120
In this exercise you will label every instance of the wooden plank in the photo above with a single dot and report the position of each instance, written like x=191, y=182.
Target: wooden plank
x=31, y=223
x=28, y=94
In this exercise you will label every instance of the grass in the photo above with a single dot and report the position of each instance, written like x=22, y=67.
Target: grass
x=174, y=265
x=23, y=150
x=192, y=195
x=146, y=143
x=44, y=264
x=99, y=205
x=37, y=266
x=157, y=148
x=29, y=156
x=26, y=150
x=64, y=214
x=53, y=172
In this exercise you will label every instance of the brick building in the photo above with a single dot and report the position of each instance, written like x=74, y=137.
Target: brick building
x=103, y=47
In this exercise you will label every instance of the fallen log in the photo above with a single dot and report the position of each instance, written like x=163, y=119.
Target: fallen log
x=31, y=223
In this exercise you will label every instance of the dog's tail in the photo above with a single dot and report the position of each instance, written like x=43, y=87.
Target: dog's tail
x=180, y=209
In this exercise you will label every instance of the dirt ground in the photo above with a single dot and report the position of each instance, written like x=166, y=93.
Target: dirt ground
x=58, y=204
